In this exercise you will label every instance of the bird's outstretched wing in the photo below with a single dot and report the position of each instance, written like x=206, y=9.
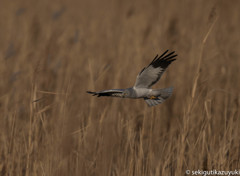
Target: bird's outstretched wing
x=153, y=72
x=110, y=92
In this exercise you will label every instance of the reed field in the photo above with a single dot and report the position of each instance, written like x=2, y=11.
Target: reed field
x=52, y=52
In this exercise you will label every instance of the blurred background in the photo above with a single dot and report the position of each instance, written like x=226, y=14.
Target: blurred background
x=52, y=52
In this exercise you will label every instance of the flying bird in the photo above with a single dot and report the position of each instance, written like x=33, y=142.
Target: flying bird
x=145, y=80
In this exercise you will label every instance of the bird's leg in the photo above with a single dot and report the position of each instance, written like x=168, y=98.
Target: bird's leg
x=153, y=97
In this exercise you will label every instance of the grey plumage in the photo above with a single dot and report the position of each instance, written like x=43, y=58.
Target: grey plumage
x=145, y=79
x=162, y=95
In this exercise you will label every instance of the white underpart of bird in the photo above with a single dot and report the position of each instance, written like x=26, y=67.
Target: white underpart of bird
x=145, y=80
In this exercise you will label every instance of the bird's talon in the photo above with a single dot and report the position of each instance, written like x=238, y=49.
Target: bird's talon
x=153, y=97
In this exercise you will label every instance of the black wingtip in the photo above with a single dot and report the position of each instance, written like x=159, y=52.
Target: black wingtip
x=93, y=93
x=164, y=53
x=164, y=59
x=167, y=56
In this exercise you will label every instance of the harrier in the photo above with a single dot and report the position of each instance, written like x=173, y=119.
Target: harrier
x=145, y=79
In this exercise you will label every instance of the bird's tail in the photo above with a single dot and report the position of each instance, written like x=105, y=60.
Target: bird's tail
x=163, y=95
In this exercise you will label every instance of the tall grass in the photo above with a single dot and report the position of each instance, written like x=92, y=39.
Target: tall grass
x=52, y=52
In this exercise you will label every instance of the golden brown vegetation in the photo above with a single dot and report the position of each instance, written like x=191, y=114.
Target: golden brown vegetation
x=51, y=52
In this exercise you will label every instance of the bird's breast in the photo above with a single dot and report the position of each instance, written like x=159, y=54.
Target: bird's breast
x=142, y=92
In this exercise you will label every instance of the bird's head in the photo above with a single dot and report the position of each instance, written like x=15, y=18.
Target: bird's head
x=126, y=93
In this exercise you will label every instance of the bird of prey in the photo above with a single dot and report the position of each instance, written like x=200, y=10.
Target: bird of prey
x=145, y=79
